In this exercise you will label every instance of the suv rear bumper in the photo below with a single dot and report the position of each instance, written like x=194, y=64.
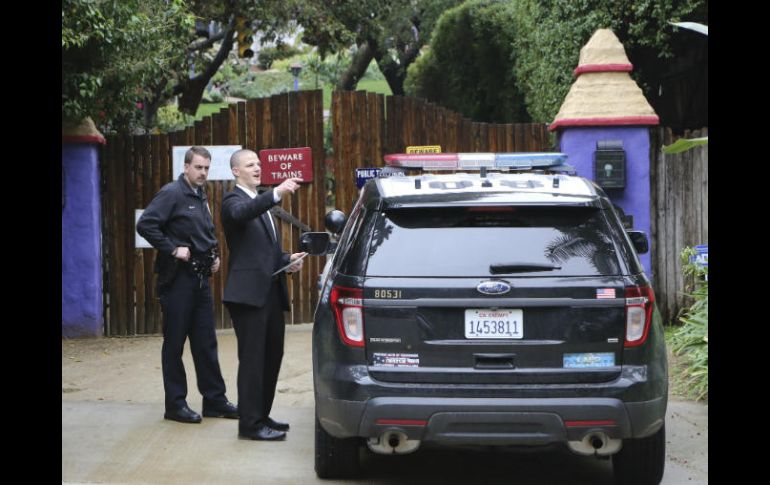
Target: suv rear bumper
x=491, y=421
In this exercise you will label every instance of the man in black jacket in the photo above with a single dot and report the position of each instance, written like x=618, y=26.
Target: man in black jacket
x=254, y=297
x=177, y=223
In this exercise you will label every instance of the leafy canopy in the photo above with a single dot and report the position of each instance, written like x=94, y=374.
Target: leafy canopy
x=113, y=54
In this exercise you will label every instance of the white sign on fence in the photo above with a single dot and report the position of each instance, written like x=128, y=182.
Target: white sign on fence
x=139, y=241
x=220, y=160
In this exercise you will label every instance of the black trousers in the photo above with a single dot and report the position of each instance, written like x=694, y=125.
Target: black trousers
x=260, y=333
x=188, y=311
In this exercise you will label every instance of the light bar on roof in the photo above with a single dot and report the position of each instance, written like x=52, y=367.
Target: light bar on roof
x=427, y=161
x=529, y=160
x=476, y=160
x=465, y=161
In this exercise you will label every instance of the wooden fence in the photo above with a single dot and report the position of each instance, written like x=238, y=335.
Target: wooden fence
x=368, y=125
x=679, y=214
x=134, y=168
x=365, y=126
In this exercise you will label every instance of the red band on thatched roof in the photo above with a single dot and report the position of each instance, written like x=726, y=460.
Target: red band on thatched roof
x=602, y=68
x=612, y=121
x=83, y=139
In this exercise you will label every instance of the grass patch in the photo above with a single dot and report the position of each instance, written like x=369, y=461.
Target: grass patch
x=207, y=109
x=379, y=86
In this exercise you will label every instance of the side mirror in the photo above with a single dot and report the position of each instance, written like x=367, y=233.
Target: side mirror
x=639, y=240
x=315, y=243
x=335, y=221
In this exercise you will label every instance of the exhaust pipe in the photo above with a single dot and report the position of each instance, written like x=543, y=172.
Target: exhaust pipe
x=392, y=441
x=595, y=443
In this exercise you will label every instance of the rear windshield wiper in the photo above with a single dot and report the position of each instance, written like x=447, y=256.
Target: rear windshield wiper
x=502, y=268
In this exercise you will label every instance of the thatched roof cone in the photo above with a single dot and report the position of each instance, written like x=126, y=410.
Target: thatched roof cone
x=604, y=93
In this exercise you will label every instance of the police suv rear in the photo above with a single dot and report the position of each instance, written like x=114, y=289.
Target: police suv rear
x=492, y=306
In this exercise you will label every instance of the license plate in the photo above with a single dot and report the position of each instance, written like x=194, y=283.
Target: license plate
x=484, y=323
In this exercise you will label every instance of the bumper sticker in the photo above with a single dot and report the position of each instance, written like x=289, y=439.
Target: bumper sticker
x=396, y=360
x=593, y=359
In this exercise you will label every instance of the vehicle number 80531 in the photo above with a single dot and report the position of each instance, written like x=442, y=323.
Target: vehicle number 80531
x=484, y=323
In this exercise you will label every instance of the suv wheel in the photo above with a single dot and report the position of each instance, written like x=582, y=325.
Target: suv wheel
x=335, y=457
x=641, y=461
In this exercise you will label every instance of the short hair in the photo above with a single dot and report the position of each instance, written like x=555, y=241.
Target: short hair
x=235, y=157
x=201, y=151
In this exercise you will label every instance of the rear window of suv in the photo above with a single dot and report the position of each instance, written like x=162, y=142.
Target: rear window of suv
x=486, y=241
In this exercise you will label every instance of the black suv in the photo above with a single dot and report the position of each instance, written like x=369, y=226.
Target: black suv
x=488, y=309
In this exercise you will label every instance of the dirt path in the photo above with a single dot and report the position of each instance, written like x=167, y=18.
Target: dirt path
x=113, y=430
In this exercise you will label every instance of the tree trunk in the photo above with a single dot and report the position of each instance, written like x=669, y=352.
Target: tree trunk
x=395, y=73
x=192, y=89
x=150, y=108
x=349, y=80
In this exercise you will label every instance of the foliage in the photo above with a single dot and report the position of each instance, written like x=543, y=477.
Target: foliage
x=268, y=55
x=469, y=65
x=549, y=36
x=113, y=55
x=327, y=70
x=262, y=85
x=691, y=339
x=389, y=31
x=171, y=119
x=684, y=144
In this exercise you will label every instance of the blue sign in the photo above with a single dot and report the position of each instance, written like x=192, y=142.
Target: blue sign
x=364, y=174
x=702, y=256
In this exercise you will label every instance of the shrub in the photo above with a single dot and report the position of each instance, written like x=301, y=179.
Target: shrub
x=691, y=339
x=171, y=119
x=469, y=66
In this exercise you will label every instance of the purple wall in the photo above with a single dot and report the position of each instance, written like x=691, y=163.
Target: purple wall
x=81, y=272
x=579, y=143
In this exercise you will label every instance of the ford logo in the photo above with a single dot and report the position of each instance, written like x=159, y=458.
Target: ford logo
x=493, y=287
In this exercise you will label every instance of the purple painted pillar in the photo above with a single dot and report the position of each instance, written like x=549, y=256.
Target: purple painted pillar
x=579, y=143
x=81, y=275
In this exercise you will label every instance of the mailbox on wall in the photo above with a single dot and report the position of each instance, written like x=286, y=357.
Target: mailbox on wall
x=610, y=164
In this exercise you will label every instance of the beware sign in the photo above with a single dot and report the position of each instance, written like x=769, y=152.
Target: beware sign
x=424, y=149
x=280, y=164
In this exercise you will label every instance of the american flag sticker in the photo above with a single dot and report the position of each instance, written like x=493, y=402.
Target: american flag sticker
x=605, y=293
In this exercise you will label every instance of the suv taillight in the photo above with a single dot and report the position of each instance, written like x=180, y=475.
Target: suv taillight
x=349, y=313
x=639, y=301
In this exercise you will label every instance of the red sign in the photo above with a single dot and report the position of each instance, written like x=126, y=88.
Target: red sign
x=280, y=164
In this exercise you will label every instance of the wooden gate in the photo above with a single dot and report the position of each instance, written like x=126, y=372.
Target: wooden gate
x=366, y=126
x=134, y=168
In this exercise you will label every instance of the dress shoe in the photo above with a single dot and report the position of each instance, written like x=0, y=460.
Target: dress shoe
x=277, y=424
x=262, y=432
x=222, y=410
x=183, y=415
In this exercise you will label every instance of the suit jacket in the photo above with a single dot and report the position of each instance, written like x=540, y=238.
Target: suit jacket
x=254, y=256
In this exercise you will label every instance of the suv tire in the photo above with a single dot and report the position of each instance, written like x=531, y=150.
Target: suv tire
x=641, y=461
x=335, y=457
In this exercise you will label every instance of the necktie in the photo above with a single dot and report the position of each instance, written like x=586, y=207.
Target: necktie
x=269, y=223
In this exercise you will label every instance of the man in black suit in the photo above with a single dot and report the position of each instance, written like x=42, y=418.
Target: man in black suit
x=177, y=223
x=254, y=297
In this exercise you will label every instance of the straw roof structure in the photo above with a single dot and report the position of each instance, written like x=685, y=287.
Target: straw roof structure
x=604, y=93
x=83, y=132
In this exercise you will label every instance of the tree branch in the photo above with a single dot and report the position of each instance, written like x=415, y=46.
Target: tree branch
x=204, y=44
x=192, y=89
x=349, y=79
